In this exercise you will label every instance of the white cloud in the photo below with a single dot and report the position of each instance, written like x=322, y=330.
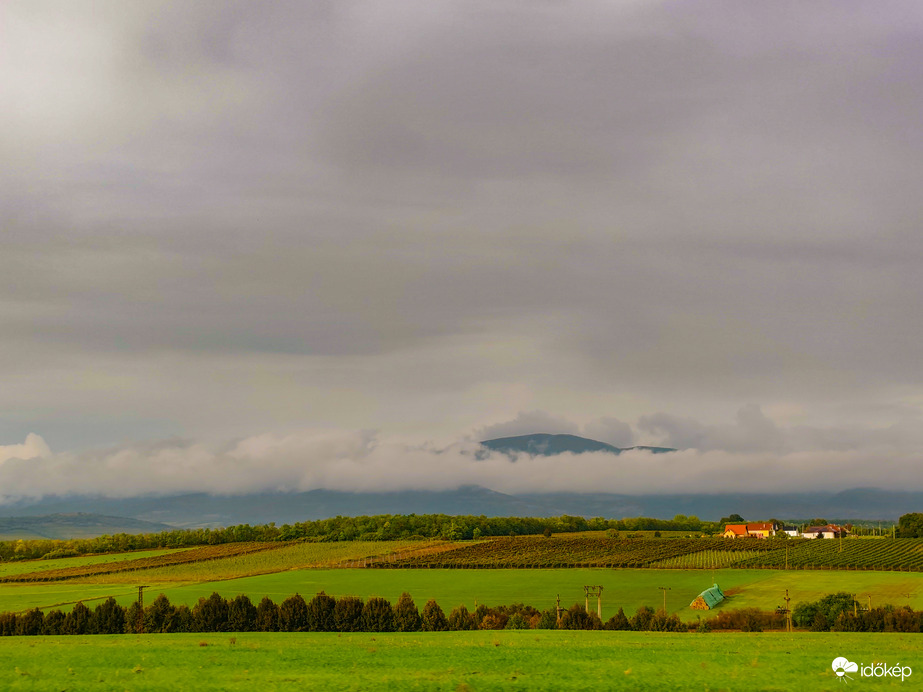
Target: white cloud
x=33, y=447
x=359, y=461
x=527, y=422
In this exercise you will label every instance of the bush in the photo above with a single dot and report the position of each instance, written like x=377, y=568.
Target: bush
x=78, y=621
x=576, y=618
x=320, y=613
x=267, y=616
x=461, y=620
x=618, y=622
x=641, y=621
x=109, y=616
x=293, y=614
x=347, y=614
x=211, y=614
x=377, y=615
x=406, y=615
x=241, y=614
x=30, y=623
x=434, y=619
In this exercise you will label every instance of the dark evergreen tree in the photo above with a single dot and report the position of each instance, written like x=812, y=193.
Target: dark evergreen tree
x=641, y=621
x=434, y=619
x=377, y=615
x=619, y=621
x=576, y=618
x=79, y=620
x=7, y=624
x=241, y=614
x=54, y=622
x=211, y=614
x=347, y=614
x=180, y=620
x=109, y=617
x=157, y=614
x=406, y=615
x=133, y=621
x=267, y=616
x=320, y=613
x=293, y=614
x=30, y=623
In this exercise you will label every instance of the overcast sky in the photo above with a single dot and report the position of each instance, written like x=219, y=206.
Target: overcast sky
x=289, y=241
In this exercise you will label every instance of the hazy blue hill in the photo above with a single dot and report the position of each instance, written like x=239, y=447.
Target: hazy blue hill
x=544, y=444
x=200, y=509
x=73, y=525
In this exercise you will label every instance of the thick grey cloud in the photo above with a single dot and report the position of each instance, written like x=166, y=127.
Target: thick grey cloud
x=530, y=422
x=361, y=461
x=218, y=220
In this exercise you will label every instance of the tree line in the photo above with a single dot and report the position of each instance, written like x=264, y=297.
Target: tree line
x=382, y=527
x=323, y=613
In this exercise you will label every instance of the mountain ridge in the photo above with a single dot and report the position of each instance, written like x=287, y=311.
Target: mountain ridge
x=551, y=444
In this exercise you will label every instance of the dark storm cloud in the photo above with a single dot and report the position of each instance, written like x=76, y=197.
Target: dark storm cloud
x=220, y=219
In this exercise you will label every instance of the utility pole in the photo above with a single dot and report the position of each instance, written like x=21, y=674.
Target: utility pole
x=788, y=612
x=594, y=591
x=141, y=609
x=664, y=589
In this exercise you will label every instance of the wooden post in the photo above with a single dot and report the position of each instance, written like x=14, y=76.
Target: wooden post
x=664, y=589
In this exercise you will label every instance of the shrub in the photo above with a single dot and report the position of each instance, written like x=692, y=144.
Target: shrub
x=320, y=613
x=434, y=619
x=576, y=618
x=641, y=621
x=406, y=615
x=30, y=623
x=347, y=614
x=54, y=623
x=293, y=614
x=267, y=616
x=157, y=614
x=78, y=621
x=211, y=614
x=109, y=616
x=461, y=620
x=618, y=622
x=377, y=615
x=241, y=614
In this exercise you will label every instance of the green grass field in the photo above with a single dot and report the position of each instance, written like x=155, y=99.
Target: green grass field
x=459, y=661
x=628, y=588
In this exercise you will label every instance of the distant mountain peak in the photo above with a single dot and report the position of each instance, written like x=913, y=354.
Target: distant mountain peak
x=546, y=444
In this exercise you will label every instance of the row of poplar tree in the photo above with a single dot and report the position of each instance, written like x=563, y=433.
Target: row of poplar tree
x=322, y=613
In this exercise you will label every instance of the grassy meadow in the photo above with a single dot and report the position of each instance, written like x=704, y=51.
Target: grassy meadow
x=472, y=661
x=625, y=588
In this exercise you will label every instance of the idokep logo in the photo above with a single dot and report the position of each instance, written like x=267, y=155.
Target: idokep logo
x=841, y=666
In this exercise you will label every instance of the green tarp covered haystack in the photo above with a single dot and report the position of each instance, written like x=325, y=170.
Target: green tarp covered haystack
x=708, y=599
